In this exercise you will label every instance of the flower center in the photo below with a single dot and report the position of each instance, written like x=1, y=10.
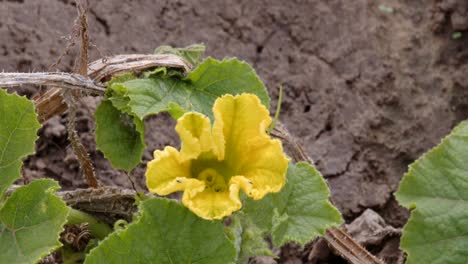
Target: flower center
x=216, y=174
x=213, y=180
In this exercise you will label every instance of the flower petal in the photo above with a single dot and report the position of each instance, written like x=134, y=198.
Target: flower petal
x=213, y=205
x=240, y=127
x=266, y=169
x=194, y=130
x=168, y=173
x=240, y=124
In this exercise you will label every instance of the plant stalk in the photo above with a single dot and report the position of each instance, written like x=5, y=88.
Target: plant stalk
x=97, y=228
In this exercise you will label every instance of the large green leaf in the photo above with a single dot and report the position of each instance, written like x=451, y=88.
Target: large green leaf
x=197, y=92
x=436, y=185
x=18, y=132
x=300, y=211
x=119, y=136
x=30, y=222
x=166, y=232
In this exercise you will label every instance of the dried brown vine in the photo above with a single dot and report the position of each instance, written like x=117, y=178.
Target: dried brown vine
x=72, y=96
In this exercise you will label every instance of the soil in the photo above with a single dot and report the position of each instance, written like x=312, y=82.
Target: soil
x=369, y=85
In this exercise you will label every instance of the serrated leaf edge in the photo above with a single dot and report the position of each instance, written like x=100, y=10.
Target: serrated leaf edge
x=49, y=191
x=36, y=126
x=409, y=174
x=282, y=215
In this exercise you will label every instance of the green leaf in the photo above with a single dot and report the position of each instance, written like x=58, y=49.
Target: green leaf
x=166, y=232
x=299, y=212
x=437, y=186
x=210, y=80
x=248, y=239
x=30, y=222
x=229, y=76
x=192, y=54
x=114, y=87
x=119, y=136
x=164, y=72
x=121, y=78
x=18, y=132
x=175, y=110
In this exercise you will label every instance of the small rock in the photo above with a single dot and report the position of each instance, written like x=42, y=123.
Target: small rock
x=54, y=128
x=40, y=164
x=320, y=251
x=370, y=229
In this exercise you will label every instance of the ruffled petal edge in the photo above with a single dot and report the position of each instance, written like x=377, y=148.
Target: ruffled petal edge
x=211, y=205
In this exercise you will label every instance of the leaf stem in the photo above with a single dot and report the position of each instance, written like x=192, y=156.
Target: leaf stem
x=278, y=109
x=98, y=229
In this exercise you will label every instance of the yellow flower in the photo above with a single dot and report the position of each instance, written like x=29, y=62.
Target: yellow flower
x=215, y=163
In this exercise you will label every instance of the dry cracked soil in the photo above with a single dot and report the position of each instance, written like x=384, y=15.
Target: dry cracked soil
x=369, y=85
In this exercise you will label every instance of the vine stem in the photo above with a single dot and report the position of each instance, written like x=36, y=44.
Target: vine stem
x=98, y=229
x=278, y=109
x=108, y=203
x=57, y=79
x=71, y=98
x=78, y=147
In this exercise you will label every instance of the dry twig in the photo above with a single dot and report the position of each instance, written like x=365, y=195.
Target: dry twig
x=56, y=79
x=72, y=96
